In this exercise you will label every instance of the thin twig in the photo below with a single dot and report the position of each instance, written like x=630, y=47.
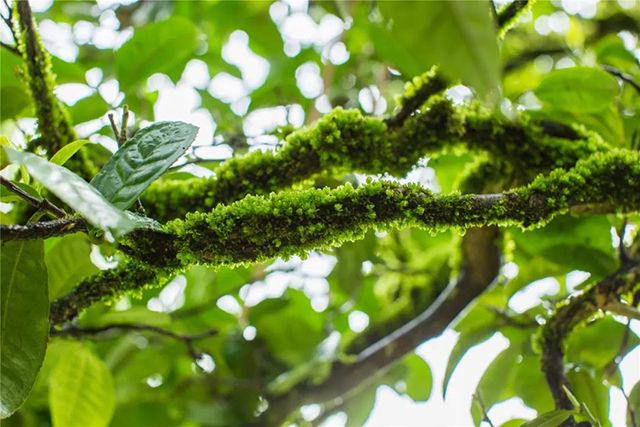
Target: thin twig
x=623, y=76
x=630, y=410
x=116, y=133
x=12, y=49
x=33, y=201
x=188, y=340
x=122, y=138
x=623, y=309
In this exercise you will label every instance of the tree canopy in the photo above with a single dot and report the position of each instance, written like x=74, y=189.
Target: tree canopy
x=223, y=213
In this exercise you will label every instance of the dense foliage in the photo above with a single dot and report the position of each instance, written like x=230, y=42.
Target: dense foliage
x=225, y=213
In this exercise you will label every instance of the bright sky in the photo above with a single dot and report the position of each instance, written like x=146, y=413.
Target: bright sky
x=182, y=102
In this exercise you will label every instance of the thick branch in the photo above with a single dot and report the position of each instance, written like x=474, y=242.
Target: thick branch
x=54, y=125
x=509, y=14
x=43, y=230
x=570, y=315
x=480, y=249
x=343, y=141
x=257, y=229
x=416, y=93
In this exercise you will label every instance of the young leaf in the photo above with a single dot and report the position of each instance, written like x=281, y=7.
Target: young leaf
x=82, y=391
x=579, y=89
x=419, y=380
x=550, y=419
x=4, y=160
x=68, y=151
x=141, y=160
x=634, y=405
x=155, y=48
x=25, y=320
x=76, y=193
x=68, y=263
x=460, y=36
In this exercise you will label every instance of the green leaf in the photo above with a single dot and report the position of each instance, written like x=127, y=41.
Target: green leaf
x=578, y=89
x=76, y=193
x=25, y=320
x=66, y=152
x=89, y=108
x=347, y=273
x=597, y=344
x=4, y=160
x=475, y=327
x=141, y=160
x=81, y=392
x=13, y=95
x=634, y=404
x=68, y=263
x=460, y=36
x=419, y=380
x=550, y=419
x=155, y=48
x=588, y=387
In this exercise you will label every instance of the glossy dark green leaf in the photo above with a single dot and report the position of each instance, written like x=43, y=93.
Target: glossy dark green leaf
x=68, y=263
x=550, y=419
x=25, y=320
x=579, y=89
x=155, y=48
x=141, y=160
x=81, y=392
x=76, y=193
x=462, y=35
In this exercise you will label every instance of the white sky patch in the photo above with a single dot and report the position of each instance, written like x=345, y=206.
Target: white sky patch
x=171, y=297
x=358, y=321
x=110, y=91
x=576, y=278
x=309, y=80
x=206, y=363
x=264, y=120
x=529, y=296
x=504, y=411
x=254, y=68
x=57, y=37
x=196, y=73
x=227, y=88
x=230, y=305
x=249, y=333
x=372, y=101
x=70, y=93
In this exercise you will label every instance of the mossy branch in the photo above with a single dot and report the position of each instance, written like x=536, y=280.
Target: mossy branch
x=54, y=125
x=509, y=14
x=258, y=228
x=347, y=141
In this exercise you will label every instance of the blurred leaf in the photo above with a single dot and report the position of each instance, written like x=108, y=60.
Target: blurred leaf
x=75, y=192
x=582, y=243
x=347, y=272
x=419, y=380
x=155, y=48
x=607, y=122
x=25, y=320
x=82, y=391
x=579, y=89
x=449, y=168
x=292, y=332
x=475, y=327
x=134, y=315
x=466, y=46
x=634, y=404
x=68, y=263
x=598, y=343
x=67, y=72
x=550, y=419
x=359, y=407
x=7, y=196
x=66, y=152
x=141, y=160
x=588, y=387
x=89, y=108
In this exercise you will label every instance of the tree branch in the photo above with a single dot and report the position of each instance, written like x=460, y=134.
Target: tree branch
x=75, y=331
x=12, y=49
x=43, y=204
x=482, y=255
x=570, y=315
x=342, y=141
x=623, y=76
x=509, y=14
x=42, y=230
